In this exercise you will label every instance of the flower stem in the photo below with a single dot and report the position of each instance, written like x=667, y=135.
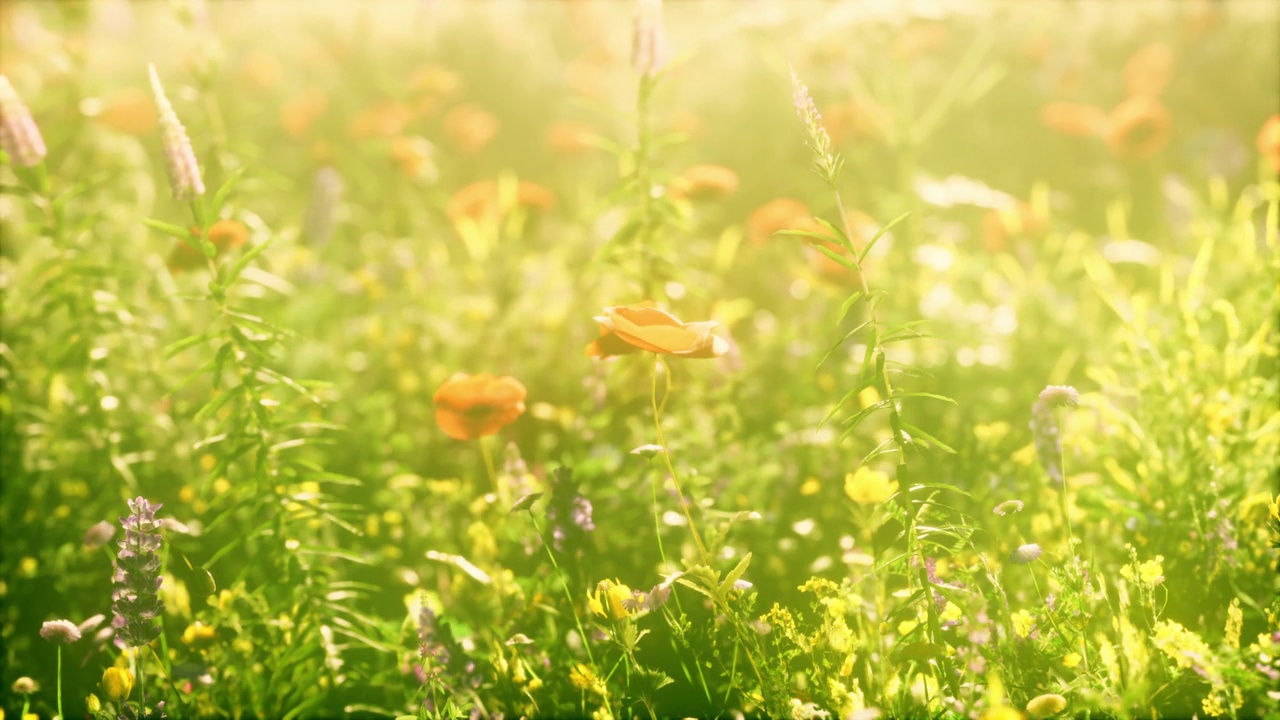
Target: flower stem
x=564, y=583
x=666, y=456
x=60, y=715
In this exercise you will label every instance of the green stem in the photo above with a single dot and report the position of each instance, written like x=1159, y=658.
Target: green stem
x=564, y=583
x=666, y=456
x=60, y=715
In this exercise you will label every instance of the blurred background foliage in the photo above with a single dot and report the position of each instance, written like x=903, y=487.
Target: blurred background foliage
x=1091, y=190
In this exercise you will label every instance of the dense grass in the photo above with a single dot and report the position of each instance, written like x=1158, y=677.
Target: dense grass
x=988, y=425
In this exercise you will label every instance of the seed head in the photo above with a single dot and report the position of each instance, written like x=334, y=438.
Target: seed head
x=1026, y=554
x=19, y=136
x=63, y=632
x=179, y=158
x=1060, y=396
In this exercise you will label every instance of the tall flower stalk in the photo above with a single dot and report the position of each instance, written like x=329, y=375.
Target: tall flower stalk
x=136, y=602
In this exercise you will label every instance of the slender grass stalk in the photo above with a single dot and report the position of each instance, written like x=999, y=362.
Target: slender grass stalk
x=564, y=583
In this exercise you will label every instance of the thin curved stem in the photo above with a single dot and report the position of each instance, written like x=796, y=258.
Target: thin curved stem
x=568, y=594
x=666, y=456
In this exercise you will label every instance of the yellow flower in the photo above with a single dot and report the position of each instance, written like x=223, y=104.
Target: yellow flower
x=92, y=704
x=1147, y=574
x=584, y=678
x=1043, y=706
x=1235, y=621
x=1071, y=659
x=198, y=635
x=607, y=600
x=117, y=683
x=1023, y=621
x=1001, y=712
x=866, y=486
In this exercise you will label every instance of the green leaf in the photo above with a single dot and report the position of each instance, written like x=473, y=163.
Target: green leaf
x=915, y=431
x=233, y=272
x=734, y=575
x=840, y=342
x=220, y=197
x=183, y=344
x=181, y=233
x=846, y=306
x=879, y=234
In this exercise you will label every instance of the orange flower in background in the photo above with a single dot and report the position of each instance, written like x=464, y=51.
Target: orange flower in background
x=1149, y=70
x=1138, y=128
x=569, y=138
x=1073, y=119
x=920, y=38
x=632, y=328
x=261, y=69
x=473, y=406
x=469, y=128
x=130, y=111
x=1268, y=142
x=434, y=80
x=853, y=120
x=385, y=119
x=300, y=113
x=704, y=182
x=224, y=234
x=999, y=226
x=483, y=199
x=685, y=122
x=779, y=214
x=415, y=156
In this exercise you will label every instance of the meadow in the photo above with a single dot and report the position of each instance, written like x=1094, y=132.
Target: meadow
x=603, y=359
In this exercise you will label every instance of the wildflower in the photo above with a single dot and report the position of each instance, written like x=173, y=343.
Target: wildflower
x=1071, y=659
x=384, y=119
x=1148, y=71
x=180, y=159
x=633, y=328
x=415, y=156
x=704, y=182
x=483, y=200
x=1148, y=574
x=1023, y=622
x=1007, y=507
x=648, y=42
x=1268, y=142
x=326, y=194
x=25, y=685
x=98, y=534
x=1060, y=396
x=1025, y=554
x=806, y=711
x=779, y=214
x=469, y=128
x=1138, y=128
x=569, y=514
x=198, y=635
x=19, y=135
x=1000, y=712
x=301, y=112
x=584, y=678
x=1043, y=706
x=819, y=140
x=129, y=111
x=224, y=234
x=136, y=602
x=1073, y=119
x=63, y=632
x=866, y=486
x=117, y=683
x=1235, y=623
x=92, y=704
x=473, y=406
x=569, y=138
x=607, y=600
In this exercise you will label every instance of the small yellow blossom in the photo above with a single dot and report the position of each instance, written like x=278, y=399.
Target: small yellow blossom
x=584, y=678
x=199, y=635
x=117, y=683
x=91, y=703
x=866, y=486
x=1000, y=712
x=1023, y=621
x=606, y=600
x=1071, y=659
x=1043, y=706
x=1235, y=622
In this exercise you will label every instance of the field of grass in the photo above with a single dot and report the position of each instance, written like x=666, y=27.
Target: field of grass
x=627, y=360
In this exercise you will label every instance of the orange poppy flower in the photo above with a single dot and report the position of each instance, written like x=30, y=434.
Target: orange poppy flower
x=469, y=128
x=1073, y=119
x=1149, y=70
x=224, y=234
x=473, y=406
x=633, y=328
x=300, y=113
x=415, y=156
x=1268, y=142
x=130, y=111
x=261, y=69
x=854, y=120
x=1138, y=128
x=999, y=226
x=385, y=119
x=778, y=214
x=483, y=199
x=569, y=138
x=704, y=182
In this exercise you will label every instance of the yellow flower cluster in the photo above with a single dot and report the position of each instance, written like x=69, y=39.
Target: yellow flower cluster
x=607, y=600
x=1182, y=645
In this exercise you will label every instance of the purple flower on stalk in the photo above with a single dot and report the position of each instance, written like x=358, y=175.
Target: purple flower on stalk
x=19, y=135
x=136, y=599
x=568, y=513
x=179, y=158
